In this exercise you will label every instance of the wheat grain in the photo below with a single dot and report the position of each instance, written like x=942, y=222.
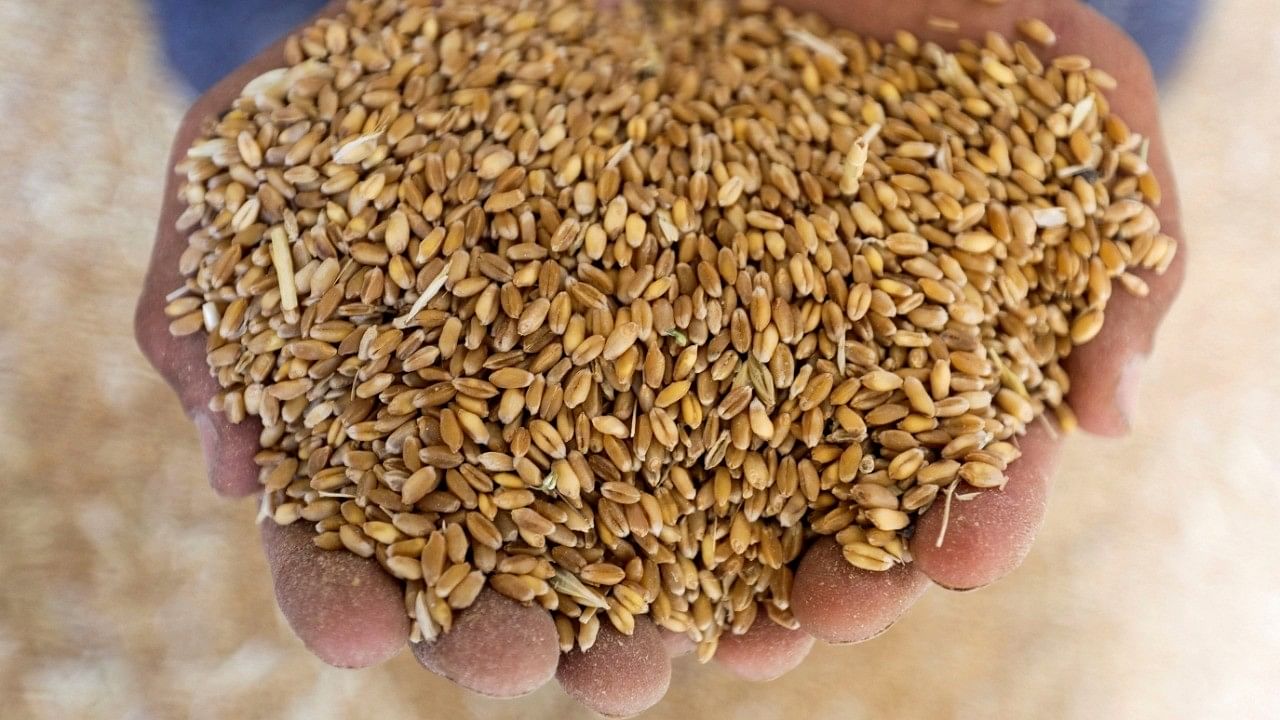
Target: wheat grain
x=627, y=343
x=1038, y=31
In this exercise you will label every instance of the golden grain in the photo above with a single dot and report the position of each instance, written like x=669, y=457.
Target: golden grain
x=619, y=348
x=1038, y=31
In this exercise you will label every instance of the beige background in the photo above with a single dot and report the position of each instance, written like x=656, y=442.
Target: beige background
x=127, y=590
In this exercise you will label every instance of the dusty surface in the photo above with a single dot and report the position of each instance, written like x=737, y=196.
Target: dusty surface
x=129, y=591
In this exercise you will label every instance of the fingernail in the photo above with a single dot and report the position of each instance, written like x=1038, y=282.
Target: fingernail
x=208, y=439
x=1127, y=389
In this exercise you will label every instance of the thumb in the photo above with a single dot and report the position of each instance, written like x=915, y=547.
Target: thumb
x=229, y=448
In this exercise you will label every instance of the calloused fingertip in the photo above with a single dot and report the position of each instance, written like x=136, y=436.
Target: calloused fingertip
x=497, y=647
x=839, y=603
x=982, y=535
x=345, y=609
x=620, y=675
x=767, y=651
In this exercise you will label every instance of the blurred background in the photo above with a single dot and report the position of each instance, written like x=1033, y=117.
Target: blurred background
x=128, y=591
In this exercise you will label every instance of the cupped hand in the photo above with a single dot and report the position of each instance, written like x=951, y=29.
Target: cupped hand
x=350, y=613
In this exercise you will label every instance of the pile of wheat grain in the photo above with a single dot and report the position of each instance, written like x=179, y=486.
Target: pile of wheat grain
x=617, y=311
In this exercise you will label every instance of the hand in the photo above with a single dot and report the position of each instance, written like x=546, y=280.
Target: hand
x=350, y=613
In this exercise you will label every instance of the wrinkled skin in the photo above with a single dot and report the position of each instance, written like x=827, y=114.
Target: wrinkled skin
x=348, y=612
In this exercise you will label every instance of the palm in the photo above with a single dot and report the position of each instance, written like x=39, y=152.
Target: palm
x=347, y=611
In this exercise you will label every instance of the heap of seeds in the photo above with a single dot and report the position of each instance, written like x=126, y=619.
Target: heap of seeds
x=618, y=311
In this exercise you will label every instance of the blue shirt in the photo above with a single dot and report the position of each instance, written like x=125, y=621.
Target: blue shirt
x=207, y=39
